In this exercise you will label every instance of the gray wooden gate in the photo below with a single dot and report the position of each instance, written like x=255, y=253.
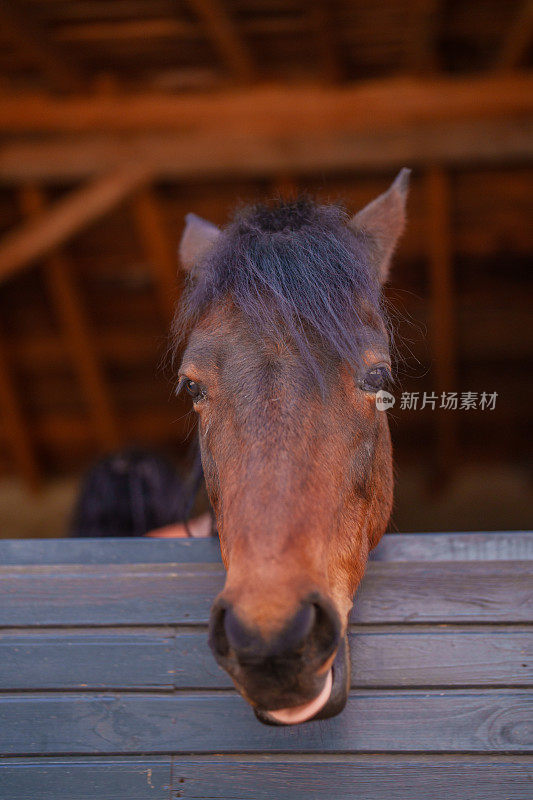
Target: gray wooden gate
x=108, y=689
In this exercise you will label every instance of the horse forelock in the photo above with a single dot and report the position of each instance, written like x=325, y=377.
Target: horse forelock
x=296, y=272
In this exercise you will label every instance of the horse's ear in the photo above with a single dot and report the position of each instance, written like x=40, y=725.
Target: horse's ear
x=382, y=222
x=197, y=239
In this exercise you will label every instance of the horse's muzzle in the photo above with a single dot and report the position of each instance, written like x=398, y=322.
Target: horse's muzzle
x=338, y=695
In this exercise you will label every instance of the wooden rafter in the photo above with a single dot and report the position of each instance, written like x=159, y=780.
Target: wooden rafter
x=328, y=45
x=160, y=251
x=421, y=44
x=226, y=38
x=162, y=28
x=517, y=39
x=16, y=431
x=61, y=73
x=76, y=334
x=70, y=437
x=276, y=110
x=65, y=158
x=37, y=238
x=443, y=322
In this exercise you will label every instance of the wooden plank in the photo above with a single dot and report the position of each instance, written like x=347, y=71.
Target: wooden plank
x=223, y=33
x=470, y=546
x=445, y=592
x=35, y=239
x=18, y=433
x=67, y=660
x=178, y=156
x=420, y=49
x=327, y=41
x=388, y=657
x=517, y=39
x=159, y=594
x=77, y=338
x=279, y=110
x=452, y=721
x=109, y=551
x=161, y=252
x=67, y=436
x=117, y=346
x=108, y=595
x=116, y=30
x=443, y=323
x=442, y=656
x=376, y=777
x=162, y=28
x=87, y=779
x=30, y=40
x=300, y=777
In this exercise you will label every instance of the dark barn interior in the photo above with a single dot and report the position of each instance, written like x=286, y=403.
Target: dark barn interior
x=116, y=119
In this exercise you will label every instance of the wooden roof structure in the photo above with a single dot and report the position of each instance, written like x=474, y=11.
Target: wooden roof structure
x=119, y=117
x=201, y=45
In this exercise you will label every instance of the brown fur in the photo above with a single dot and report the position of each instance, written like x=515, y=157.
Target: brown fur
x=299, y=475
x=301, y=484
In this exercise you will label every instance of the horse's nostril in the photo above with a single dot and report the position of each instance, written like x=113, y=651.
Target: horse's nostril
x=297, y=632
x=240, y=639
x=310, y=636
x=326, y=631
x=218, y=641
x=227, y=633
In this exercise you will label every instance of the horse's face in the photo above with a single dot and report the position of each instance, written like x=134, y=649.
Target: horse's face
x=300, y=479
x=301, y=486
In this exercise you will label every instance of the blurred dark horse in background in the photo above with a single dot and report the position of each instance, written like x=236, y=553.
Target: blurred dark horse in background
x=286, y=352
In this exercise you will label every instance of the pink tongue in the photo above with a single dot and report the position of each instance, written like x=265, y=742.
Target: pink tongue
x=296, y=714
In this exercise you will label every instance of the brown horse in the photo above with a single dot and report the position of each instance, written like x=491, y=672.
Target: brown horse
x=287, y=348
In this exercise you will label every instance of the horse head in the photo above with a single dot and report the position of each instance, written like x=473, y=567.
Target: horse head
x=286, y=351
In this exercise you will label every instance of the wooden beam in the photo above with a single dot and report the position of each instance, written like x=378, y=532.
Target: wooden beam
x=31, y=42
x=421, y=57
x=125, y=347
x=223, y=33
x=72, y=440
x=175, y=156
x=443, y=322
x=327, y=41
x=15, y=428
x=161, y=252
x=76, y=334
x=517, y=39
x=36, y=239
x=282, y=111
x=115, y=30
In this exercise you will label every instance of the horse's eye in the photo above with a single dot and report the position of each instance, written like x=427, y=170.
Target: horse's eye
x=194, y=389
x=375, y=379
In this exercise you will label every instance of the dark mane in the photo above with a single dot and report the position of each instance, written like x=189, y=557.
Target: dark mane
x=293, y=269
